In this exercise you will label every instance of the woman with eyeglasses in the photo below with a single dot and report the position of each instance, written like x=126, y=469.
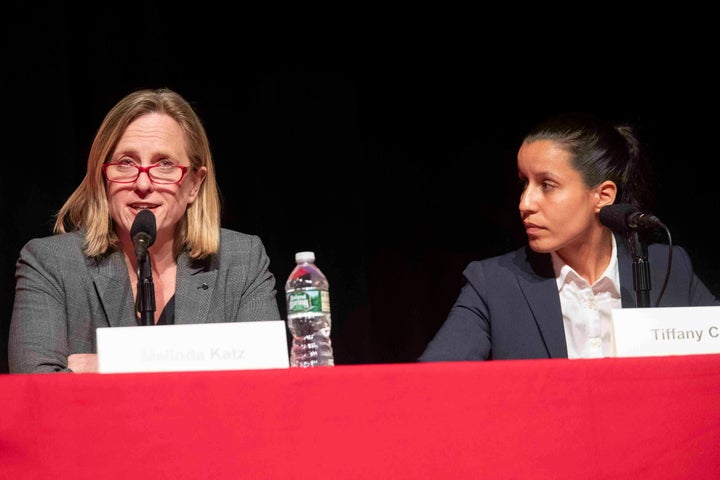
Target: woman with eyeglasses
x=150, y=154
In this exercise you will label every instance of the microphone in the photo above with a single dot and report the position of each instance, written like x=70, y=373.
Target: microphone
x=624, y=217
x=143, y=232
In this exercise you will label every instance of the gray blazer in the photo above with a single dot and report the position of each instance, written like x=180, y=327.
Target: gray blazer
x=62, y=296
x=509, y=307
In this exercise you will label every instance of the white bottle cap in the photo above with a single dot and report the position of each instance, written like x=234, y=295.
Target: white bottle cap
x=302, y=257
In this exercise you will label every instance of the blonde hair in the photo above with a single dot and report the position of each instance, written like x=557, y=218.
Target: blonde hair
x=87, y=208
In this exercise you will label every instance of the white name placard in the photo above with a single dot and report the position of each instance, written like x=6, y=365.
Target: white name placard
x=204, y=346
x=639, y=332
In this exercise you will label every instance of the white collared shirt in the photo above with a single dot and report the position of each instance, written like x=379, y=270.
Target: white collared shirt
x=587, y=308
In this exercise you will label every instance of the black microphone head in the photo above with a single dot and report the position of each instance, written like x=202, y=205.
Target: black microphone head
x=144, y=223
x=615, y=217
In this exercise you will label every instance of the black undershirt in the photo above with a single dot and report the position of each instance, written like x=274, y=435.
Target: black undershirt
x=167, y=317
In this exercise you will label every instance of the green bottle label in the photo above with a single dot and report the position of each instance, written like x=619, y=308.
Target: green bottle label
x=308, y=301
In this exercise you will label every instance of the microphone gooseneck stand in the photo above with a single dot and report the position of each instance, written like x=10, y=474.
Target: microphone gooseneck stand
x=145, y=290
x=641, y=269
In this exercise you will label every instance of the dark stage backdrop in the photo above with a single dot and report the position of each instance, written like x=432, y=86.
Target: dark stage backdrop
x=389, y=152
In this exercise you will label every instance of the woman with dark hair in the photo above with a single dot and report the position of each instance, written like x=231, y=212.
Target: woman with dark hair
x=553, y=298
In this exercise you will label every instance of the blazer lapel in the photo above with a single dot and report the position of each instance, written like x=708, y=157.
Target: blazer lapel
x=628, y=295
x=194, y=288
x=537, y=282
x=112, y=284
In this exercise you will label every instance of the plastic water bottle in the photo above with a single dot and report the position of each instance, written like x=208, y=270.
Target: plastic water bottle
x=308, y=314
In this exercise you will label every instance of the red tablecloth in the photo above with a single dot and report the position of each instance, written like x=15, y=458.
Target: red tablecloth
x=635, y=418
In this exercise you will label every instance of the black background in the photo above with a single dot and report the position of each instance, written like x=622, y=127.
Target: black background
x=382, y=140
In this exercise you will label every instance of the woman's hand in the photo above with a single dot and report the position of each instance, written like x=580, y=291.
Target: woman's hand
x=83, y=362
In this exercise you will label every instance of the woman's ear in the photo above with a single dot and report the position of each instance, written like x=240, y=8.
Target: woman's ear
x=198, y=178
x=606, y=193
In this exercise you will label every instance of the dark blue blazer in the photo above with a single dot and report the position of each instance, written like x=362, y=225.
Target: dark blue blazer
x=509, y=307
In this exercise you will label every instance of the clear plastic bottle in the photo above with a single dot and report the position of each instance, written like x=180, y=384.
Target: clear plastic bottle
x=308, y=314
